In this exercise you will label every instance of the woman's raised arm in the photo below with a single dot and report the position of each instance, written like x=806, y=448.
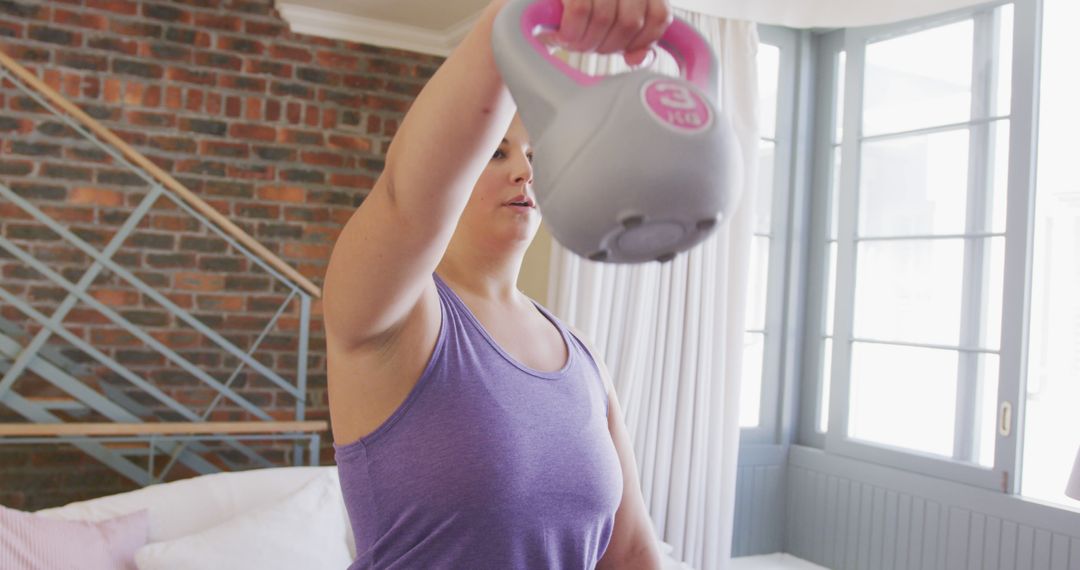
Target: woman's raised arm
x=384, y=256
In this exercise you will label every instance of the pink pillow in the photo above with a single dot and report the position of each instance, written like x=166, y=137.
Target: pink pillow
x=30, y=542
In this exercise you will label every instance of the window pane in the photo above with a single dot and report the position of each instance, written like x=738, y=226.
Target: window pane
x=826, y=384
x=999, y=171
x=834, y=194
x=993, y=284
x=919, y=80
x=903, y=397
x=841, y=74
x=986, y=420
x=909, y=290
x=1003, y=58
x=830, y=299
x=750, y=394
x=768, y=61
x=763, y=200
x=758, y=293
x=1052, y=432
x=914, y=185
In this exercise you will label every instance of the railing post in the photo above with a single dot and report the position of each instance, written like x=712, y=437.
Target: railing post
x=301, y=370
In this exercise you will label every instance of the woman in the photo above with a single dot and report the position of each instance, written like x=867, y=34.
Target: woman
x=471, y=428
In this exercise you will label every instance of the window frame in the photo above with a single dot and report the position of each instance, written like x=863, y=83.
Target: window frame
x=1017, y=235
x=767, y=431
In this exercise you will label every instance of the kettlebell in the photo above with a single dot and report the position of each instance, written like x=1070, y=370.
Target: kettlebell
x=629, y=168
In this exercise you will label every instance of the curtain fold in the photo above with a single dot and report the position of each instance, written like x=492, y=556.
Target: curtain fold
x=823, y=13
x=671, y=334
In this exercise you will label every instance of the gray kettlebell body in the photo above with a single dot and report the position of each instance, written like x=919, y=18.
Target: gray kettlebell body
x=617, y=178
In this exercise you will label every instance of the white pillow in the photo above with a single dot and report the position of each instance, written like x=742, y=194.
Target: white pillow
x=305, y=530
x=187, y=506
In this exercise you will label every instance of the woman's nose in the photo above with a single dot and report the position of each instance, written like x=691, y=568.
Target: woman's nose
x=523, y=172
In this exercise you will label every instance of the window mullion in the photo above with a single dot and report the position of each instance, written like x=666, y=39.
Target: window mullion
x=975, y=266
x=1019, y=227
x=855, y=46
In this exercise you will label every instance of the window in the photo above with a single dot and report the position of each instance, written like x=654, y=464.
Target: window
x=1052, y=424
x=905, y=323
x=760, y=378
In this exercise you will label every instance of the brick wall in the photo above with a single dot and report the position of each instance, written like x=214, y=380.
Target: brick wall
x=282, y=133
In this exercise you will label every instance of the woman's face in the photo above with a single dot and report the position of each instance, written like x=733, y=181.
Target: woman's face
x=489, y=217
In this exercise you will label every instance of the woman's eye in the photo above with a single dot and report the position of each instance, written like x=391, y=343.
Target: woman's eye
x=530, y=157
x=499, y=154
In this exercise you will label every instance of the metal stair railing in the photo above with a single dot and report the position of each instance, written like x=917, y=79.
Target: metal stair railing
x=154, y=434
x=34, y=354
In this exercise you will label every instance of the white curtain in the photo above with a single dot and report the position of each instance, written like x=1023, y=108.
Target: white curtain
x=823, y=13
x=672, y=334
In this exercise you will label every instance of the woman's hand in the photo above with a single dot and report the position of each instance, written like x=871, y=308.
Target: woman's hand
x=613, y=26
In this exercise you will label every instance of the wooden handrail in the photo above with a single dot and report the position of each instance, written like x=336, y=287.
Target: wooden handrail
x=163, y=177
x=163, y=428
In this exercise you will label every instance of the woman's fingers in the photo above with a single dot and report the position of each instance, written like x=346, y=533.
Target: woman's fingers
x=658, y=17
x=636, y=57
x=574, y=21
x=611, y=26
x=629, y=22
x=601, y=20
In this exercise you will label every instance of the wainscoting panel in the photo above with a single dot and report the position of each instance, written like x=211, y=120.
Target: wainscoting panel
x=760, y=489
x=847, y=514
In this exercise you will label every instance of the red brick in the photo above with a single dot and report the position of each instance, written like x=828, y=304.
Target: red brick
x=96, y=196
x=362, y=144
x=198, y=281
x=151, y=120
x=307, y=251
x=194, y=101
x=251, y=172
x=358, y=181
x=337, y=60
x=174, y=223
x=118, y=6
x=322, y=159
x=152, y=96
x=183, y=75
x=9, y=211
x=213, y=103
x=113, y=90
x=219, y=22
x=178, y=339
x=233, y=107
x=230, y=303
x=253, y=28
x=253, y=131
x=242, y=45
x=91, y=87
x=282, y=193
x=80, y=19
x=300, y=54
x=116, y=297
x=294, y=112
x=12, y=29
x=182, y=300
x=173, y=97
x=311, y=116
x=321, y=234
x=112, y=337
x=67, y=214
x=253, y=109
x=133, y=93
x=224, y=149
x=329, y=119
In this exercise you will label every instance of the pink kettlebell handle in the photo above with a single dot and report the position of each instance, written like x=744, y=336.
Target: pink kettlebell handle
x=693, y=54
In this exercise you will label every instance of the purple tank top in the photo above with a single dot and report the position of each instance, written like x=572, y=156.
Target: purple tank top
x=487, y=463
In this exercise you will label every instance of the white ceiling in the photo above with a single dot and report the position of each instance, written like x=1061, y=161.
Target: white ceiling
x=436, y=26
x=416, y=25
